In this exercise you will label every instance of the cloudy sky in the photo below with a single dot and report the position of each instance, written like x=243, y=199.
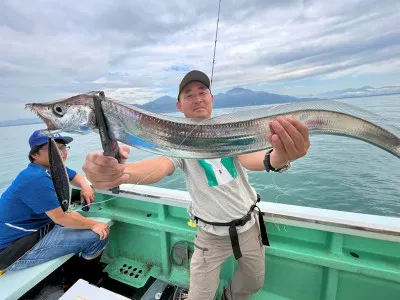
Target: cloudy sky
x=138, y=51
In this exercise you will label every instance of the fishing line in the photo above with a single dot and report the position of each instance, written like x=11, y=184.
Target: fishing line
x=276, y=202
x=112, y=198
x=215, y=44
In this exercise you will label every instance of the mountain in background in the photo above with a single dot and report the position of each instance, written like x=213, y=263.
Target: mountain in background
x=365, y=91
x=236, y=97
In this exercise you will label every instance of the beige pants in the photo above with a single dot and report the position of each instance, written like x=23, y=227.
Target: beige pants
x=209, y=254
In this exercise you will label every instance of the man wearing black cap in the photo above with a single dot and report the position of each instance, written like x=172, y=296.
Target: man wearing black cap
x=33, y=226
x=223, y=201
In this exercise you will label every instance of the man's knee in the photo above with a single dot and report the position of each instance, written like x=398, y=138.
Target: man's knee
x=258, y=282
x=98, y=243
x=254, y=283
x=92, y=244
x=242, y=287
x=92, y=237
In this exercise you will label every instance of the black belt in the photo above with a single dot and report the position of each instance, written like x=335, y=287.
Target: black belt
x=241, y=222
x=18, y=248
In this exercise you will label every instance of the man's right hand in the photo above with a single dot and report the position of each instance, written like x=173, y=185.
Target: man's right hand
x=104, y=172
x=101, y=229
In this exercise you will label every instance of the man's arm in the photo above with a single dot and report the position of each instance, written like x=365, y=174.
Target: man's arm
x=87, y=192
x=253, y=161
x=76, y=221
x=80, y=181
x=104, y=172
x=149, y=171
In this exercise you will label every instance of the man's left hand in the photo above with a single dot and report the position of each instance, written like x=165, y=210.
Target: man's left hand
x=290, y=140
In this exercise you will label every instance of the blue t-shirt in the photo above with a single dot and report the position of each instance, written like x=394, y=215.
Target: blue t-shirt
x=24, y=203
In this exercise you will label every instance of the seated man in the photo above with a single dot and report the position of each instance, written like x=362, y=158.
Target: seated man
x=32, y=220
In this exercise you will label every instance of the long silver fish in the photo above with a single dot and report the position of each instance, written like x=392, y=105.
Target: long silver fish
x=59, y=175
x=225, y=135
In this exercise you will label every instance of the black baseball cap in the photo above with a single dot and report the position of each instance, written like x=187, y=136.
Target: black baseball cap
x=194, y=75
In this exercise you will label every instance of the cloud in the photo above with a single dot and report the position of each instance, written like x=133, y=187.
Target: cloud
x=139, y=50
x=134, y=95
x=105, y=80
x=118, y=73
x=178, y=68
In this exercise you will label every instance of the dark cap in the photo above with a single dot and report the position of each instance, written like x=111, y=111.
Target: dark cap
x=194, y=76
x=37, y=139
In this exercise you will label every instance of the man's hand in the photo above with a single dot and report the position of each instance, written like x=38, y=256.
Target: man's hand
x=290, y=140
x=88, y=194
x=104, y=172
x=101, y=229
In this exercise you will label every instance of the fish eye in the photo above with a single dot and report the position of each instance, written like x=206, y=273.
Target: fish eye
x=58, y=110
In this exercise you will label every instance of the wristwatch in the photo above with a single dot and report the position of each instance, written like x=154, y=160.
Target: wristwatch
x=268, y=167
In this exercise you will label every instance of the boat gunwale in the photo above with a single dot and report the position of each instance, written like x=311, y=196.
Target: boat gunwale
x=375, y=226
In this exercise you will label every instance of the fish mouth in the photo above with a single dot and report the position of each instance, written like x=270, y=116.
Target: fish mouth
x=32, y=108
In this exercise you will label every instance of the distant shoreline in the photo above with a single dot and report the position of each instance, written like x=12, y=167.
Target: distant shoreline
x=22, y=124
x=17, y=122
x=363, y=96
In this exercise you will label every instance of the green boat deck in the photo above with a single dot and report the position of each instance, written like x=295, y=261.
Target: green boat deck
x=314, y=253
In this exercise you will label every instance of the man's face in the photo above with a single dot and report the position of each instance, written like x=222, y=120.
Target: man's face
x=195, y=101
x=42, y=158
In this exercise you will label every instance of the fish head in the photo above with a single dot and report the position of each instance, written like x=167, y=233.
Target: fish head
x=74, y=114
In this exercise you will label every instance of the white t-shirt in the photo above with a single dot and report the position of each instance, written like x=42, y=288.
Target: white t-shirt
x=220, y=191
